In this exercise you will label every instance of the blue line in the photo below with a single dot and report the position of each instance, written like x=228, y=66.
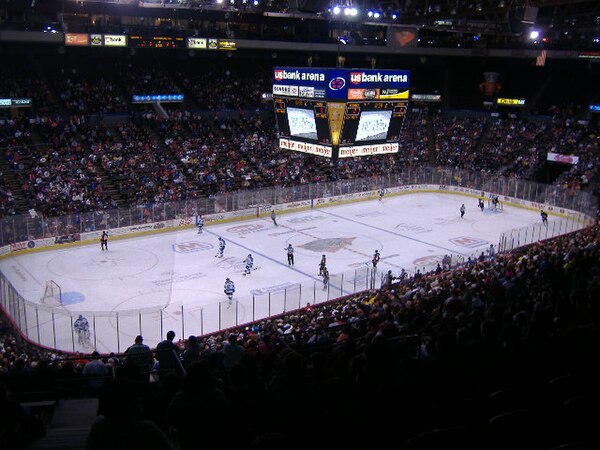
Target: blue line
x=392, y=232
x=267, y=257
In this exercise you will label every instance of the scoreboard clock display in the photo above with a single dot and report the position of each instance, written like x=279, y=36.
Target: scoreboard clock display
x=157, y=42
x=303, y=120
x=372, y=122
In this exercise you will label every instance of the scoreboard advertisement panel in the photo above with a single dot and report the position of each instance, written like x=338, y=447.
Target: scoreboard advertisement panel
x=302, y=120
x=341, y=84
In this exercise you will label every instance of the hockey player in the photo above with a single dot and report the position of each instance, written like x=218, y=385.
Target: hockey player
x=462, y=210
x=322, y=265
x=544, y=216
x=491, y=251
x=495, y=201
x=290, y=254
x=104, y=240
x=199, y=224
x=325, y=274
x=481, y=205
x=381, y=193
x=221, y=248
x=249, y=262
x=273, y=217
x=446, y=262
x=376, y=258
x=388, y=279
x=82, y=328
x=229, y=289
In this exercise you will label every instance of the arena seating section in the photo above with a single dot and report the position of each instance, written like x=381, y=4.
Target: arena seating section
x=494, y=354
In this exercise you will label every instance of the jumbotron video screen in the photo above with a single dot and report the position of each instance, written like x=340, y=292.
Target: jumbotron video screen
x=372, y=122
x=304, y=120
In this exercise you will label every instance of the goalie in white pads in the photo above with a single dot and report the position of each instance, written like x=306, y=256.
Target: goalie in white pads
x=82, y=328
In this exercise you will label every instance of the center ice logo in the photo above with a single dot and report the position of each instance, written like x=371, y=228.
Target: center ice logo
x=331, y=245
x=191, y=247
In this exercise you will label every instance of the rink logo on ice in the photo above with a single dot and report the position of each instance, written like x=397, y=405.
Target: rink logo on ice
x=470, y=242
x=417, y=229
x=246, y=229
x=370, y=214
x=277, y=288
x=231, y=263
x=303, y=219
x=331, y=245
x=178, y=278
x=191, y=247
x=429, y=260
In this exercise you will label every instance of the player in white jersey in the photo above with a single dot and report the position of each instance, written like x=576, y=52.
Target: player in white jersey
x=221, y=248
x=82, y=328
x=229, y=289
x=381, y=193
x=462, y=210
x=199, y=223
x=325, y=274
x=249, y=262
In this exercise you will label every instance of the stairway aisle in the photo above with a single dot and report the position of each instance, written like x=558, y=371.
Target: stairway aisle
x=70, y=425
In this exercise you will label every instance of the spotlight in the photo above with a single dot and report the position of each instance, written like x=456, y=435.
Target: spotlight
x=534, y=35
x=337, y=10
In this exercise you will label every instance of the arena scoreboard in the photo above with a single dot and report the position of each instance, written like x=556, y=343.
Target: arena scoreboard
x=157, y=42
x=340, y=113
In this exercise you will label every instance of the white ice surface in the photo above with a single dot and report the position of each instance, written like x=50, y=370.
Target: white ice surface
x=176, y=274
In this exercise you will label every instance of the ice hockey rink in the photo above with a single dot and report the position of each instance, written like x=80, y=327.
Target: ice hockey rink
x=173, y=280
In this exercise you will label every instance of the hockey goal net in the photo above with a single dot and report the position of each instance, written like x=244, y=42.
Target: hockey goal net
x=494, y=206
x=52, y=294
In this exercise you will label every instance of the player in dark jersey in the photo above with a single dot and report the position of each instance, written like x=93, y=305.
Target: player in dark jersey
x=274, y=217
x=376, y=258
x=544, y=216
x=104, y=240
x=481, y=205
x=322, y=265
